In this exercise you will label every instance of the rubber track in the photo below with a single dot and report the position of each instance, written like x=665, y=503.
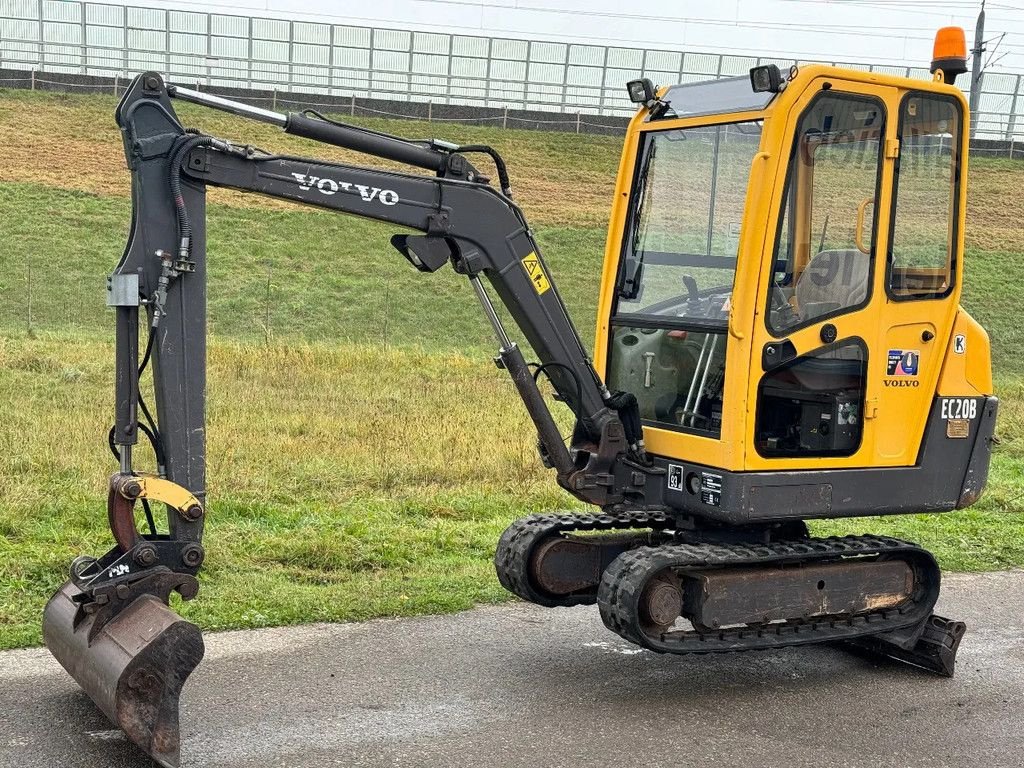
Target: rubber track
x=625, y=579
x=518, y=542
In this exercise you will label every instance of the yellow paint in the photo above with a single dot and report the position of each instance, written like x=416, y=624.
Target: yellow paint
x=158, y=489
x=967, y=373
x=894, y=417
x=535, y=271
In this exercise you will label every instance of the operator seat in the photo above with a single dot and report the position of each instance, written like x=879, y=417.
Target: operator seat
x=832, y=280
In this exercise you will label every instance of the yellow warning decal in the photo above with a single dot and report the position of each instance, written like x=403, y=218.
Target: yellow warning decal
x=536, y=272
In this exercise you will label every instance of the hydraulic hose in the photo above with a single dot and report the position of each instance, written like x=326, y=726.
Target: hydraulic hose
x=499, y=164
x=177, y=156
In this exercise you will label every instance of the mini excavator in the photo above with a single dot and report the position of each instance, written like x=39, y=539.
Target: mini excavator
x=779, y=339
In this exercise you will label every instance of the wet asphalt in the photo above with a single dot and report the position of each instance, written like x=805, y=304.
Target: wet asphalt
x=517, y=685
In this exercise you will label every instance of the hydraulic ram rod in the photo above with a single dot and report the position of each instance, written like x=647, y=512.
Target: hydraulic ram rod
x=347, y=136
x=226, y=105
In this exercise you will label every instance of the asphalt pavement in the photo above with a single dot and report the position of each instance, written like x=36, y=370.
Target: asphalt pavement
x=518, y=685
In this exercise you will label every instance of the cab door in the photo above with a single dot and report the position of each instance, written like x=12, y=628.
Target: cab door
x=814, y=389
x=920, y=280
x=861, y=282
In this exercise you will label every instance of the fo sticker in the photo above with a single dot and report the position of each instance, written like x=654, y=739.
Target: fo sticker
x=903, y=362
x=532, y=265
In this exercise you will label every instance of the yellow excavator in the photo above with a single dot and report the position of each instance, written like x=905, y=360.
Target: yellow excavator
x=779, y=339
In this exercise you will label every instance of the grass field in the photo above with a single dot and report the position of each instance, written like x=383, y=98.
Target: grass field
x=364, y=453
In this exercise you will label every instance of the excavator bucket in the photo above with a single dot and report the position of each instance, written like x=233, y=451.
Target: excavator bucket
x=133, y=667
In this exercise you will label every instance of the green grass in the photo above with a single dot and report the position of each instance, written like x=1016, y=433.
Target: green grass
x=364, y=455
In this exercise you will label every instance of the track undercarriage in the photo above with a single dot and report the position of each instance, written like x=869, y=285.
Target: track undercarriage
x=677, y=588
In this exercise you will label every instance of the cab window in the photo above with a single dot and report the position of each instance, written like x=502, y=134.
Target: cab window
x=824, y=249
x=813, y=406
x=922, y=260
x=668, y=340
x=679, y=255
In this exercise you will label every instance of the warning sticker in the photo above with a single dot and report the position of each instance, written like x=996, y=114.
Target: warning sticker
x=531, y=263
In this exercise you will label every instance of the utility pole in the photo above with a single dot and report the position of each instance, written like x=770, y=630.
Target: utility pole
x=976, y=71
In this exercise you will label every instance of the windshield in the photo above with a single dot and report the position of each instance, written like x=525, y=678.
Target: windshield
x=679, y=258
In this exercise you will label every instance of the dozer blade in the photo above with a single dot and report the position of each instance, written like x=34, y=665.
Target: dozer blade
x=133, y=669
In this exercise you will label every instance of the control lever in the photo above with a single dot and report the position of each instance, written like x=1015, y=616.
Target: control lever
x=691, y=287
x=648, y=361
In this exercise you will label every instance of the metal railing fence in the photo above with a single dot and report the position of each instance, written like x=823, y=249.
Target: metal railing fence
x=217, y=50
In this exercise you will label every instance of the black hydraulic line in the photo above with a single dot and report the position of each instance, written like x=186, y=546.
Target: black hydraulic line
x=579, y=384
x=149, y=516
x=499, y=164
x=627, y=406
x=149, y=351
x=158, y=448
x=144, y=430
x=177, y=156
x=153, y=431
x=112, y=445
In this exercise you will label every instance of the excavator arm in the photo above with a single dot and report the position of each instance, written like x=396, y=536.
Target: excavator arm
x=94, y=623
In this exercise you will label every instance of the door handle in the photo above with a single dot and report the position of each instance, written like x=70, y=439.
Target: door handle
x=871, y=408
x=859, y=234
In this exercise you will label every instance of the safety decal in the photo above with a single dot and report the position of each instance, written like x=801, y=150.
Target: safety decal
x=848, y=413
x=903, y=362
x=960, y=344
x=675, y=477
x=532, y=265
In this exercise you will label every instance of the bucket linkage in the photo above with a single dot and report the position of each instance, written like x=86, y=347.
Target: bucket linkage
x=110, y=625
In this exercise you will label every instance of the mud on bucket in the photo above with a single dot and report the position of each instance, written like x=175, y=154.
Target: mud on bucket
x=133, y=668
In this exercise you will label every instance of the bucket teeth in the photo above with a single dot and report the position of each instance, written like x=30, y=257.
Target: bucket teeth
x=133, y=667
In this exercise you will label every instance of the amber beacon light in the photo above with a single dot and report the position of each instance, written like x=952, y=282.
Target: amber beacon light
x=949, y=53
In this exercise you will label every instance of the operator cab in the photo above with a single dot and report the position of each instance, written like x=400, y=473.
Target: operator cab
x=782, y=267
